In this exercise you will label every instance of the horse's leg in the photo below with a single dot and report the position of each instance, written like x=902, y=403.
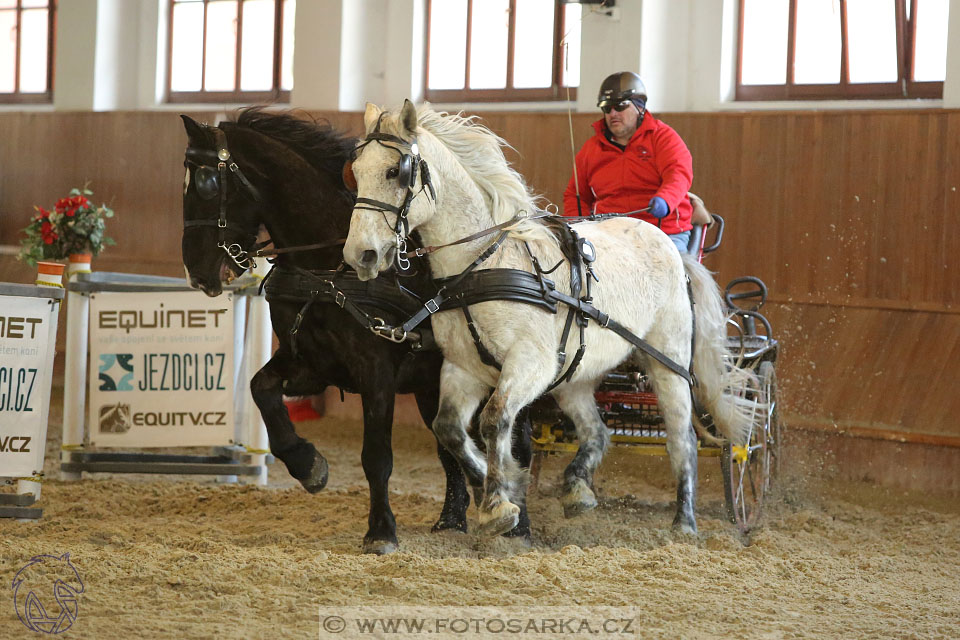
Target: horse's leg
x=578, y=403
x=523, y=454
x=303, y=460
x=376, y=457
x=456, y=499
x=525, y=375
x=673, y=397
x=460, y=395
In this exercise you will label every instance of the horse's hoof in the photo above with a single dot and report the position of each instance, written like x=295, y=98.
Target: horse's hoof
x=685, y=525
x=319, y=472
x=500, y=519
x=578, y=499
x=448, y=525
x=380, y=547
x=518, y=532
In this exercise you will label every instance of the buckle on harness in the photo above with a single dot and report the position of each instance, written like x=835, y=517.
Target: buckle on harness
x=340, y=299
x=432, y=306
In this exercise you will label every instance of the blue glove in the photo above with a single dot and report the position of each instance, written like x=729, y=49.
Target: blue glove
x=658, y=207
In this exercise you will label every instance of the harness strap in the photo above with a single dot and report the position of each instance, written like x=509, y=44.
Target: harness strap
x=433, y=305
x=485, y=356
x=607, y=322
x=295, y=329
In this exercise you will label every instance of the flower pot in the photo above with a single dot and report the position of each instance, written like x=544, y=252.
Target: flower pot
x=78, y=263
x=50, y=274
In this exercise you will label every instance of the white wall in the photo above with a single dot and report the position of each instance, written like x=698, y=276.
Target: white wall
x=75, y=55
x=111, y=54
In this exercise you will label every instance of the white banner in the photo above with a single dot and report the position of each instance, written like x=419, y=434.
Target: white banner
x=161, y=369
x=25, y=328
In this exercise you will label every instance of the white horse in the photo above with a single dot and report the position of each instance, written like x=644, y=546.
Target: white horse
x=642, y=285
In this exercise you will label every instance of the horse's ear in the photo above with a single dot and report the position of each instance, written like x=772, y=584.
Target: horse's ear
x=371, y=116
x=194, y=129
x=408, y=119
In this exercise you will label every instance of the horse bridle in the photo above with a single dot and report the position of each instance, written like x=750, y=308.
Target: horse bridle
x=409, y=164
x=205, y=160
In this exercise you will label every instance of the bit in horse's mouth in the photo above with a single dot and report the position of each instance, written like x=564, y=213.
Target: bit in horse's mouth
x=227, y=274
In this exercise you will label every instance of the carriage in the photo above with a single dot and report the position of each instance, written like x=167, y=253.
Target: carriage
x=628, y=405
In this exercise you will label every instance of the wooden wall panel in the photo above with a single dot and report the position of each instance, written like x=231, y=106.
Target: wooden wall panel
x=848, y=217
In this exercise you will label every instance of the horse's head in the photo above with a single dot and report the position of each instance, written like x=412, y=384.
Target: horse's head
x=221, y=209
x=389, y=175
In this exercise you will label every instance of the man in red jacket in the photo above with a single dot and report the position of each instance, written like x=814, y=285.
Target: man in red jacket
x=633, y=162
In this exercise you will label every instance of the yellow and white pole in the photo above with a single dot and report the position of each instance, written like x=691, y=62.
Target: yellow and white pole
x=75, y=366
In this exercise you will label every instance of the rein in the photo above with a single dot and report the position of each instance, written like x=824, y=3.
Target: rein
x=260, y=253
x=423, y=251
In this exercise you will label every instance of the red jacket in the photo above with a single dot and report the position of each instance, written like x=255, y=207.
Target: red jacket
x=655, y=162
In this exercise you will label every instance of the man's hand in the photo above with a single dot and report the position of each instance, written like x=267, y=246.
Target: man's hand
x=658, y=207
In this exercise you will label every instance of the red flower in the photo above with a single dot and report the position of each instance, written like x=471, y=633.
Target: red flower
x=70, y=212
x=47, y=232
x=62, y=205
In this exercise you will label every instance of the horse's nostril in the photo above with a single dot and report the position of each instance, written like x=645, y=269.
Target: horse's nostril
x=369, y=257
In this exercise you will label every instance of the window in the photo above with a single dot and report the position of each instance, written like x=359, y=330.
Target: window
x=821, y=49
x=231, y=50
x=26, y=50
x=502, y=50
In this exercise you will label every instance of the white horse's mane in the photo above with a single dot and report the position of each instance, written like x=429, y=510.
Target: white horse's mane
x=480, y=152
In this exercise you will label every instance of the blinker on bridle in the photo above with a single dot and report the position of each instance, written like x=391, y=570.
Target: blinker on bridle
x=409, y=164
x=210, y=183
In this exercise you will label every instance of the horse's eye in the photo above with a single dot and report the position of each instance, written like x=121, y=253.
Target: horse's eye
x=392, y=173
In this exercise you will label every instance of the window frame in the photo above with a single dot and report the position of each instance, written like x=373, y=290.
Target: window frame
x=904, y=88
x=556, y=90
x=276, y=94
x=44, y=97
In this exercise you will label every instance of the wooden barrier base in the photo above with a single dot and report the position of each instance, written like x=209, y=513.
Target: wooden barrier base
x=17, y=505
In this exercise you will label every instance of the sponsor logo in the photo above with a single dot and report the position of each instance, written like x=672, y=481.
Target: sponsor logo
x=116, y=371
x=16, y=386
x=15, y=444
x=163, y=372
x=159, y=318
x=180, y=418
x=115, y=418
x=14, y=327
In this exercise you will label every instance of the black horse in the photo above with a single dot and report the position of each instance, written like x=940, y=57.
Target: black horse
x=285, y=173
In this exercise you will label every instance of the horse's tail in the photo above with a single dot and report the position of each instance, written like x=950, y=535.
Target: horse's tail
x=720, y=384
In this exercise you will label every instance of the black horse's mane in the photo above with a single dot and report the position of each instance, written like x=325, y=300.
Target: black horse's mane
x=315, y=140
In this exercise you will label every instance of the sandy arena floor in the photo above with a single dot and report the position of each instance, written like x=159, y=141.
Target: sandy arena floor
x=186, y=558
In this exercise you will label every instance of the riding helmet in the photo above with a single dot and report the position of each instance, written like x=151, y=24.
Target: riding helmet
x=621, y=86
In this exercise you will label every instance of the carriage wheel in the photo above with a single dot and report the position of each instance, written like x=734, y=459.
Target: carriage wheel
x=747, y=469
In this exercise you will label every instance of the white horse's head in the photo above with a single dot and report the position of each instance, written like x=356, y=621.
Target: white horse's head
x=391, y=198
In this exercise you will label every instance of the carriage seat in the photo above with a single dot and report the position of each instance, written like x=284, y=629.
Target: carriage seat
x=701, y=219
